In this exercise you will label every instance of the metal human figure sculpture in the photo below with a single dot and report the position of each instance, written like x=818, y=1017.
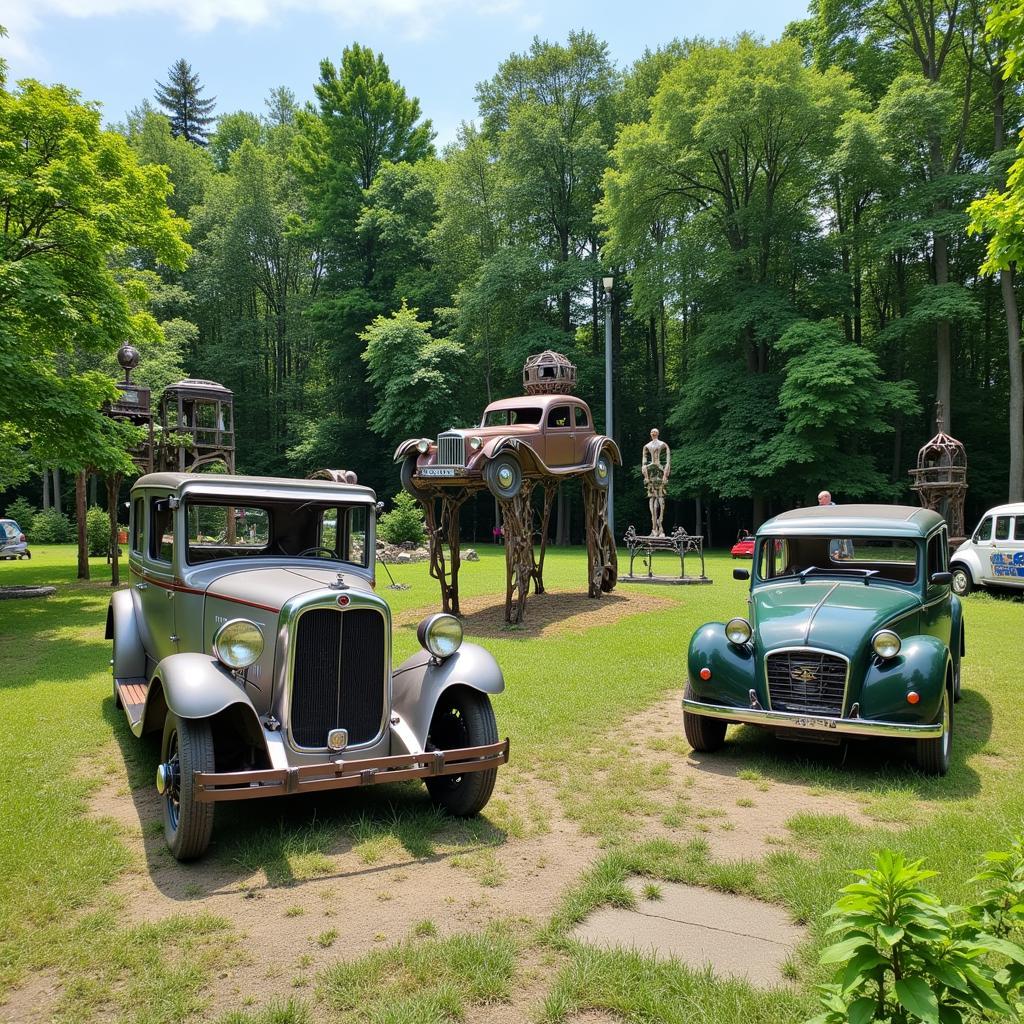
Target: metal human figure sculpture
x=656, y=479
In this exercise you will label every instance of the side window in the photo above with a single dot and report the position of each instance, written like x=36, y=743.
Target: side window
x=582, y=419
x=138, y=524
x=1002, y=527
x=559, y=416
x=1018, y=528
x=936, y=559
x=161, y=530
x=343, y=531
x=985, y=530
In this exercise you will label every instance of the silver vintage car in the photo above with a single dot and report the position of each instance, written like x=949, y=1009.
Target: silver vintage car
x=251, y=638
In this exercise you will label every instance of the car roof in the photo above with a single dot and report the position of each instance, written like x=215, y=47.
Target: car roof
x=281, y=488
x=854, y=521
x=1014, y=508
x=535, y=401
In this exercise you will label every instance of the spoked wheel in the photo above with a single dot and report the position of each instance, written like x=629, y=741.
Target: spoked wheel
x=933, y=756
x=462, y=718
x=187, y=748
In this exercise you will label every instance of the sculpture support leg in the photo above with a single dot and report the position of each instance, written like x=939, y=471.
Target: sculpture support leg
x=550, y=490
x=438, y=535
x=602, y=558
x=113, y=490
x=517, y=522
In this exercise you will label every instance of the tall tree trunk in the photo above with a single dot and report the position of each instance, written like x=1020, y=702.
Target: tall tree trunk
x=1016, y=482
x=943, y=342
x=56, y=488
x=83, y=537
x=46, y=489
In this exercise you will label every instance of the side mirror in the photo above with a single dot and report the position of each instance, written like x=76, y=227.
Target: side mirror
x=744, y=574
x=941, y=579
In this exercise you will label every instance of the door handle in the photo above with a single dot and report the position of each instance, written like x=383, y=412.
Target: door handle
x=142, y=586
x=170, y=595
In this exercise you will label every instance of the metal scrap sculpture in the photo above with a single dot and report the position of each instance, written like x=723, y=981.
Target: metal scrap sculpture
x=940, y=478
x=541, y=439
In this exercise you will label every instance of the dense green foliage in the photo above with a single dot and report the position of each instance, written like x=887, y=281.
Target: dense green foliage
x=49, y=527
x=97, y=531
x=403, y=523
x=786, y=223
x=22, y=511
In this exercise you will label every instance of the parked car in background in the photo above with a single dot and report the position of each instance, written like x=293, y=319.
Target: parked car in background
x=852, y=631
x=517, y=438
x=252, y=641
x=993, y=556
x=744, y=547
x=12, y=541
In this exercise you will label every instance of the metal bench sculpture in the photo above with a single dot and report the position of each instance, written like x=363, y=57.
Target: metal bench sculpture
x=681, y=542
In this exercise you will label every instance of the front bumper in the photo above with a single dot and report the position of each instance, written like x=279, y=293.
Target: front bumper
x=340, y=774
x=813, y=723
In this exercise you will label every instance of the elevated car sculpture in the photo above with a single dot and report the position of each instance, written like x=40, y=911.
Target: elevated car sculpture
x=251, y=640
x=852, y=631
x=517, y=438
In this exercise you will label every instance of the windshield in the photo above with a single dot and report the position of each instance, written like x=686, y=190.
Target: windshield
x=321, y=530
x=509, y=417
x=892, y=559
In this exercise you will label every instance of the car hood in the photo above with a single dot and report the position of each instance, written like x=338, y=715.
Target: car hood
x=835, y=616
x=273, y=586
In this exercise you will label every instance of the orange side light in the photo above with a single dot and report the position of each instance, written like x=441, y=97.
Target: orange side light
x=913, y=697
x=705, y=673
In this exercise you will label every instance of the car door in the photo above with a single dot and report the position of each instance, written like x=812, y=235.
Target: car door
x=560, y=437
x=935, y=612
x=584, y=430
x=1008, y=554
x=156, y=589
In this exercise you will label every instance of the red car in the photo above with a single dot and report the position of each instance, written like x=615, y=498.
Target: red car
x=743, y=548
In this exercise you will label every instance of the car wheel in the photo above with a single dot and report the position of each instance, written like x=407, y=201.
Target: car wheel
x=601, y=474
x=933, y=756
x=504, y=477
x=407, y=472
x=962, y=583
x=187, y=748
x=462, y=718
x=702, y=733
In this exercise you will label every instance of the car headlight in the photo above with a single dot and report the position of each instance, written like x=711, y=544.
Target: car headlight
x=423, y=446
x=476, y=443
x=886, y=643
x=238, y=643
x=738, y=631
x=441, y=635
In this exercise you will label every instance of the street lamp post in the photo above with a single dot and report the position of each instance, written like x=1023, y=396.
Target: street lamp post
x=609, y=428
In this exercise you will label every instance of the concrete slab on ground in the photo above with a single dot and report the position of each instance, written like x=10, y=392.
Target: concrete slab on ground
x=738, y=937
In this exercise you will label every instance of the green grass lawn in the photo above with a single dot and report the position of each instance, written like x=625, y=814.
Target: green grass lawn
x=566, y=695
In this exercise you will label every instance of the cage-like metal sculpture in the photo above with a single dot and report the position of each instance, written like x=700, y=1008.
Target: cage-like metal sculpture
x=940, y=478
x=204, y=410
x=549, y=373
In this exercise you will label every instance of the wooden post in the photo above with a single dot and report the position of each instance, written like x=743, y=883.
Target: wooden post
x=550, y=490
x=438, y=535
x=602, y=557
x=517, y=521
x=83, y=537
x=113, y=491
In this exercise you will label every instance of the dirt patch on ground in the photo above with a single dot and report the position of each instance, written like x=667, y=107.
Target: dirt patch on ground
x=547, y=614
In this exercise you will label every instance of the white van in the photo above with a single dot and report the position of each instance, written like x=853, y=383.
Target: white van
x=994, y=554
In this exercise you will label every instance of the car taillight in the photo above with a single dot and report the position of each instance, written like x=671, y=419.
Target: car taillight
x=21, y=538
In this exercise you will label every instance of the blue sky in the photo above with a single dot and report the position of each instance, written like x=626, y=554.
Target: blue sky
x=112, y=50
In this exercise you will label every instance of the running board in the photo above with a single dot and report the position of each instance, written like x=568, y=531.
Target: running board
x=133, y=692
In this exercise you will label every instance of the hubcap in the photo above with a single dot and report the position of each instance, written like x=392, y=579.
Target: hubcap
x=959, y=582
x=505, y=476
x=602, y=468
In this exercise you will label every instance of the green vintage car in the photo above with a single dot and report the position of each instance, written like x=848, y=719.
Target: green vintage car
x=852, y=631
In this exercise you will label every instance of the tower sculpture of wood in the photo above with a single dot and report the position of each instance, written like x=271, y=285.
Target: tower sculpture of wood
x=203, y=410
x=541, y=438
x=940, y=478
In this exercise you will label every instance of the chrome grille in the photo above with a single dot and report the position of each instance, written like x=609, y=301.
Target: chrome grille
x=451, y=450
x=339, y=676
x=806, y=682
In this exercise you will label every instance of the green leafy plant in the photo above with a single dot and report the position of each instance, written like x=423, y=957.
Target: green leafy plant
x=404, y=522
x=22, y=511
x=97, y=531
x=1000, y=910
x=50, y=527
x=905, y=958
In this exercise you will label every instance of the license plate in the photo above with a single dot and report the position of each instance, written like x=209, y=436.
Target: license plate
x=815, y=723
x=437, y=471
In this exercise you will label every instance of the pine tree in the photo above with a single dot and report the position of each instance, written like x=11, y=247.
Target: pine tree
x=181, y=97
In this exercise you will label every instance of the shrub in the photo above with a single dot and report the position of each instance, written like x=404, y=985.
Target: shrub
x=404, y=521
x=97, y=531
x=22, y=511
x=905, y=958
x=51, y=527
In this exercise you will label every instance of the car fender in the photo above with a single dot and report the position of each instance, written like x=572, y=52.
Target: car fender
x=194, y=686
x=922, y=666
x=419, y=681
x=968, y=557
x=732, y=668
x=599, y=444
x=129, y=657
x=528, y=456
x=407, y=448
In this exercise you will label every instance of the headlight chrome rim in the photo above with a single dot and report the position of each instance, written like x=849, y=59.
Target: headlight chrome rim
x=886, y=644
x=738, y=631
x=476, y=443
x=440, y=635
x=423, y=446
x=238, y=643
